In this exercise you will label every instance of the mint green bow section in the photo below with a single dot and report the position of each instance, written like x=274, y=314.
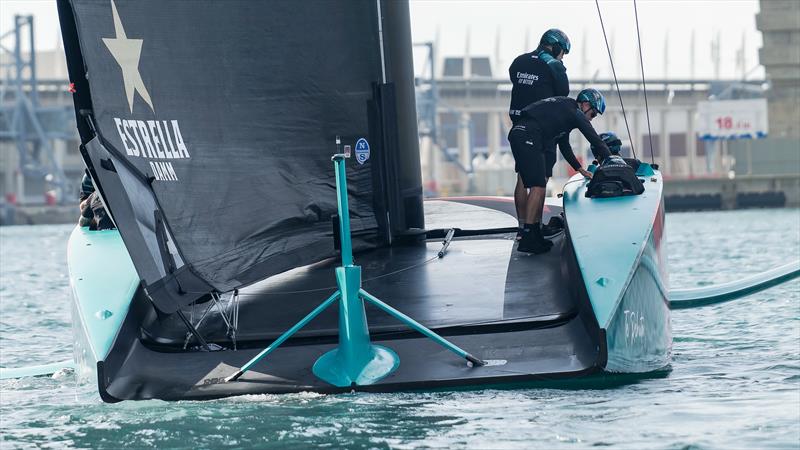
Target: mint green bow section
x=609, y=236
x=103, y=281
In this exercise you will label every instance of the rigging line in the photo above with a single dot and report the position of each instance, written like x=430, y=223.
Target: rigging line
x=644, y=84
x=190, y=333
x=235, y=317
x=614, y=72
x=365, y=280
x=215, y=297
x=380, y=38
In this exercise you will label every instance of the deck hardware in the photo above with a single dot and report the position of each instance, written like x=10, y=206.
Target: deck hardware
x=234, y=305
x=215, y=298
x=356, y=361
x=193, y=330
x=496, y=362
x=446, y=243
x=197, y=325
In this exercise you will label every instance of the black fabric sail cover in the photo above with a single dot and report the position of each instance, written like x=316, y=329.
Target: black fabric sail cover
x=209, y=127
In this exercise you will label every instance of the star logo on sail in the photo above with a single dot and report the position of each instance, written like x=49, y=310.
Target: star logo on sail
x=159, y=142
x=127, y=52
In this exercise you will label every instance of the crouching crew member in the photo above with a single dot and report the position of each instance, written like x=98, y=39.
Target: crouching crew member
x=535, y=76
x=547, y=121
x=614, y=144
x=87, y=189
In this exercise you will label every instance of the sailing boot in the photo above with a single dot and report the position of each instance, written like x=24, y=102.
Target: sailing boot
x=554, y=226
x=533, y=241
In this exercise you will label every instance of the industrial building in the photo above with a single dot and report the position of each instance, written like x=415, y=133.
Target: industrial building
x=462, y=109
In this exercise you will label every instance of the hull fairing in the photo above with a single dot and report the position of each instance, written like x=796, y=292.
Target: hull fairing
x=529, y=315
x=619, y=245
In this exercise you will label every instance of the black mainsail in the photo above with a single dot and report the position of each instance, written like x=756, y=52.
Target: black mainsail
x=208, y=127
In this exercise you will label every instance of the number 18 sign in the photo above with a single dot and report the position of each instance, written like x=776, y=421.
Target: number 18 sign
x=732, y=119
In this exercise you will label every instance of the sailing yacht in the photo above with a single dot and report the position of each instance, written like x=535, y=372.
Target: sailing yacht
x=208, y=129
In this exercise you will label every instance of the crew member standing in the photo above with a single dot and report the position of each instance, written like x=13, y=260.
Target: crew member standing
x=535, y=76
x=551, y=120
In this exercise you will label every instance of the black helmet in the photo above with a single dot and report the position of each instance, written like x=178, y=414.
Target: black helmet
x=595, y=98
x=556, y=38
x=612, y=141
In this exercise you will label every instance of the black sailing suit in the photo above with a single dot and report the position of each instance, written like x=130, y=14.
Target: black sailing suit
x=535, y=76
x=550, y=120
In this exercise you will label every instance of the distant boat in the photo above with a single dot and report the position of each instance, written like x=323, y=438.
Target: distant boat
x=208, y=130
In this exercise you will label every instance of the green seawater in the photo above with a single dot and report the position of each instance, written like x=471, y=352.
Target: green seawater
x=735, y=379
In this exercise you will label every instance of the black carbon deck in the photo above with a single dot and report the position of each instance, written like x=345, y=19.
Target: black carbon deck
x=485, y=296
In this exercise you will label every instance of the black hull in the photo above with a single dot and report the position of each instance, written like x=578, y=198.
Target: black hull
x=521, y=312
x=530, y=316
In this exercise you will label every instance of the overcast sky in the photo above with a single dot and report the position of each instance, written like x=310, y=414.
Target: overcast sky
x=498, y=29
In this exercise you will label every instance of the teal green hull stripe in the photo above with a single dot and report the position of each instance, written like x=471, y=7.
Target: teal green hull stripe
x=609, y=236
x=709, y=295
x=103, y=281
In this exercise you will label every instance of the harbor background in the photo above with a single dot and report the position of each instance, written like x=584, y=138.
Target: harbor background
x=743, y=52
x=735, y=375
x=734, y=383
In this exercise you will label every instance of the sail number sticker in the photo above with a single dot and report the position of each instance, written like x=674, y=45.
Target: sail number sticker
x=362, y=151
x=634, y=327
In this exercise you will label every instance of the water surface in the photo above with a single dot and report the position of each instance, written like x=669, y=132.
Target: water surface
x=735, y=379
